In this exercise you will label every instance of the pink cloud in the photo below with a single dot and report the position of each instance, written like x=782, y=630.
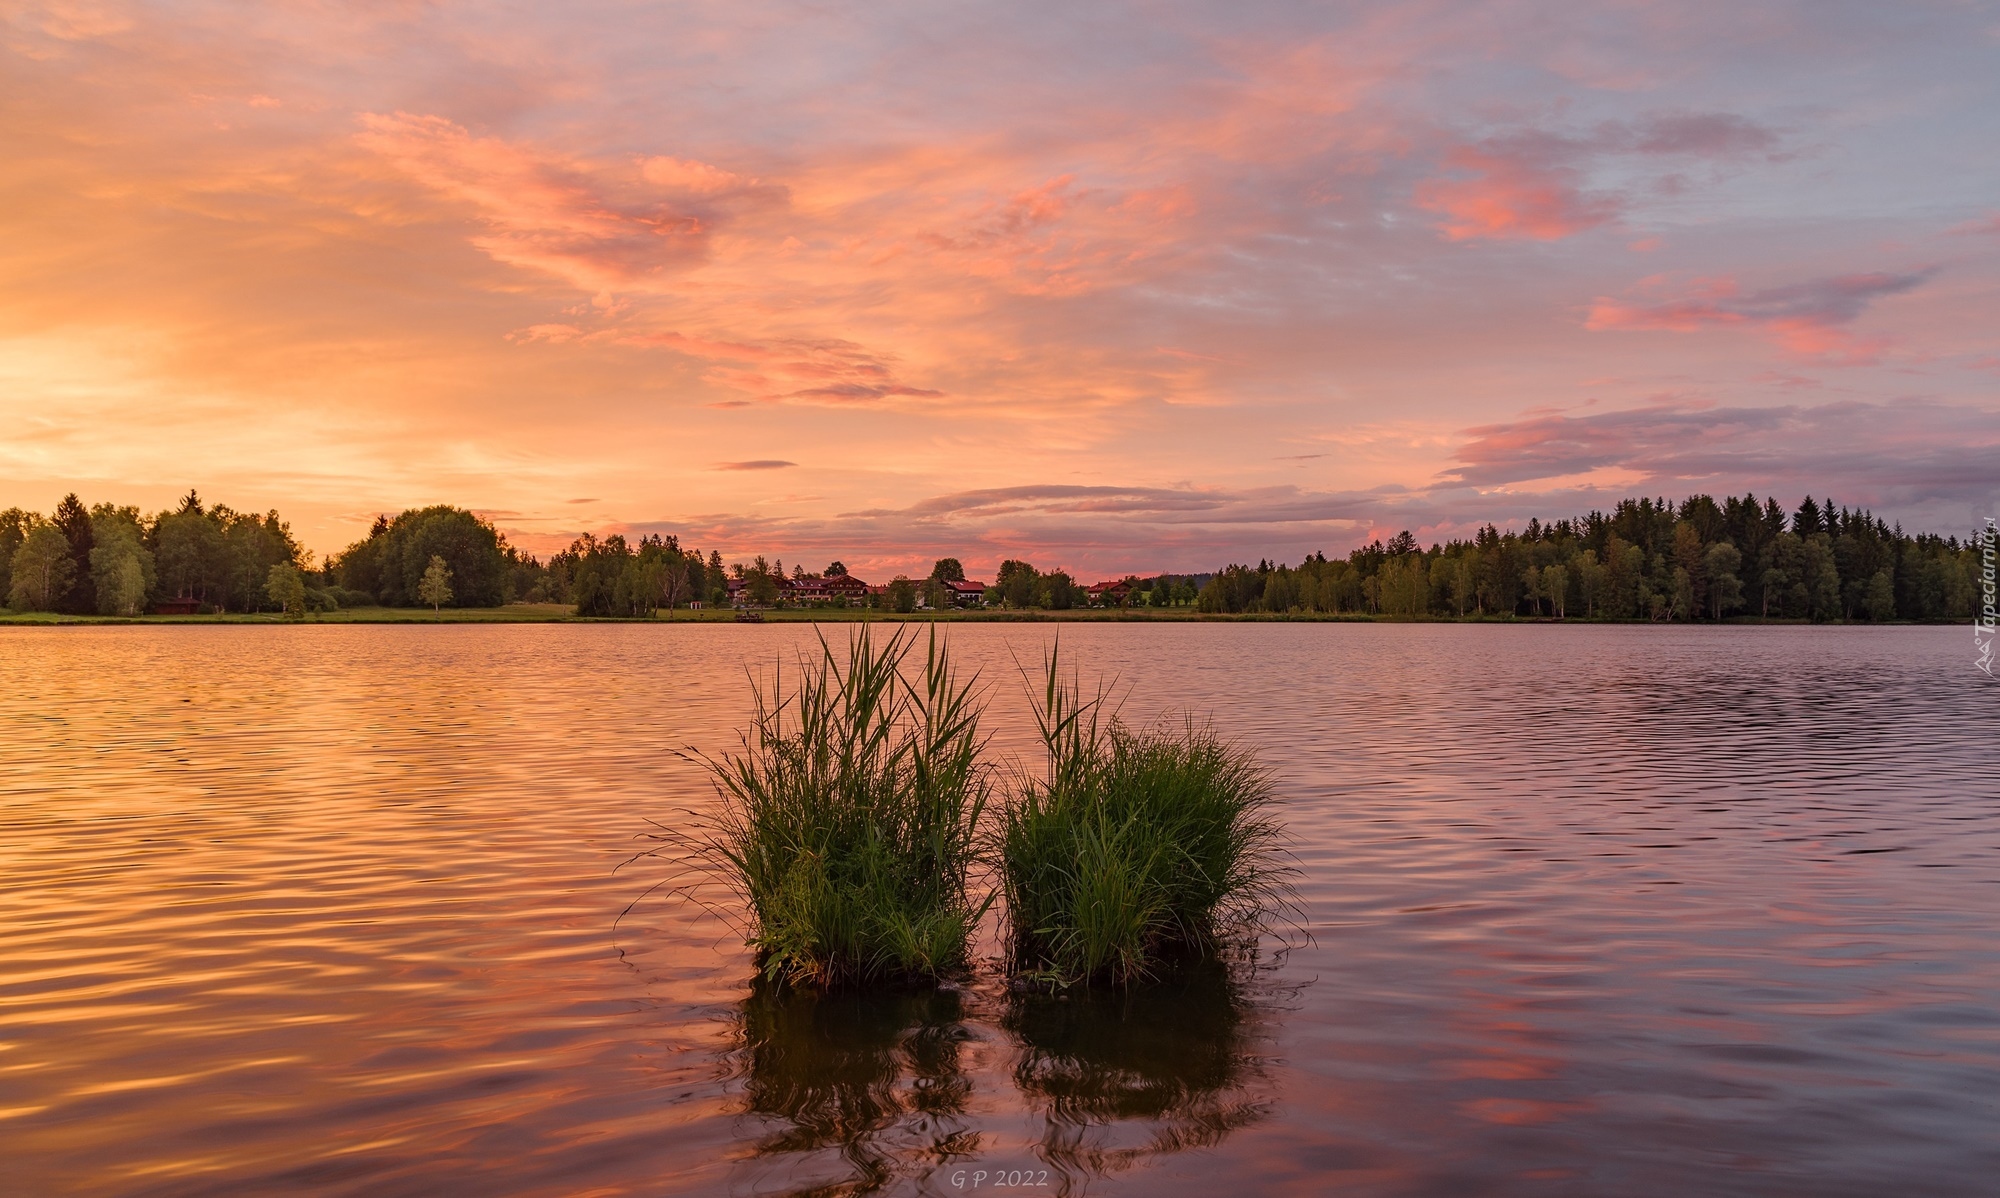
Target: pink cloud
x=1808, y=318
x=1509, y=197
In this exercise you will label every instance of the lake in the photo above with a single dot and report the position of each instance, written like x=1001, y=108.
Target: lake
x=1590, y=910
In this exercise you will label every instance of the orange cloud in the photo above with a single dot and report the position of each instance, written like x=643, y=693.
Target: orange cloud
x=596, y=226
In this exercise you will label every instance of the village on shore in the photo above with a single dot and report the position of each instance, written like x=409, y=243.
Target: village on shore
x=947, y=589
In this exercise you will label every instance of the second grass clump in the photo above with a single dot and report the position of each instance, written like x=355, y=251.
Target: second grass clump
x=1134, y=848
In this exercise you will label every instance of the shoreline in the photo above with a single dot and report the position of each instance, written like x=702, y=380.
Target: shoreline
x=550, y=613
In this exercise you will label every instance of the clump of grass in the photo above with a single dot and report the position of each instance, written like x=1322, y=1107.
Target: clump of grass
x=848, y=822
x=1136, y=848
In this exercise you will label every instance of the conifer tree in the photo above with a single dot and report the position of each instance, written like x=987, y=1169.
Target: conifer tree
x=73, y=521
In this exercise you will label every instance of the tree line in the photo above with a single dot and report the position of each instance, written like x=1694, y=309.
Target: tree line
x=1646, y=559
x=112, y=560
x=198, y=557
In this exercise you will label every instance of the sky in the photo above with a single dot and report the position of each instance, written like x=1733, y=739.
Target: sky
x=1105, y=286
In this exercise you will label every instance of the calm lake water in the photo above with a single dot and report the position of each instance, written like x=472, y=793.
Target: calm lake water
x=1592, y=910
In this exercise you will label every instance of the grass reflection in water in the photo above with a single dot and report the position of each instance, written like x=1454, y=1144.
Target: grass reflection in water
x=1123, y=1076
x=866, y=1091
x=863, y=1088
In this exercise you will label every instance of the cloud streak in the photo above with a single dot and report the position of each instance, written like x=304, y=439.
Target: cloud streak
x=1808, y=318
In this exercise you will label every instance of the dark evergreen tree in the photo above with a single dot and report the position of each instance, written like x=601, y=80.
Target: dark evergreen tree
x=73, y=520
x=1807, y=521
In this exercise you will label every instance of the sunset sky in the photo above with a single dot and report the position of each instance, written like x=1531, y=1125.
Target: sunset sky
x=1108, y=286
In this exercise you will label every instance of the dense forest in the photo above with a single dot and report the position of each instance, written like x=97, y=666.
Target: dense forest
x=1646, y=559
x=113, y=560
x=110, y=560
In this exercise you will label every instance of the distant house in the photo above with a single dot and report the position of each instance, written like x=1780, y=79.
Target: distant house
x=1111, y=594
x=845, y=586
x=805, y=589
x=815, y=588
x=177, y=607
x=831, y=588
x=967, y=593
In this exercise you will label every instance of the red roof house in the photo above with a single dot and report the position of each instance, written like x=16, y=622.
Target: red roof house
x=1111, y=594
x=967, y=593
